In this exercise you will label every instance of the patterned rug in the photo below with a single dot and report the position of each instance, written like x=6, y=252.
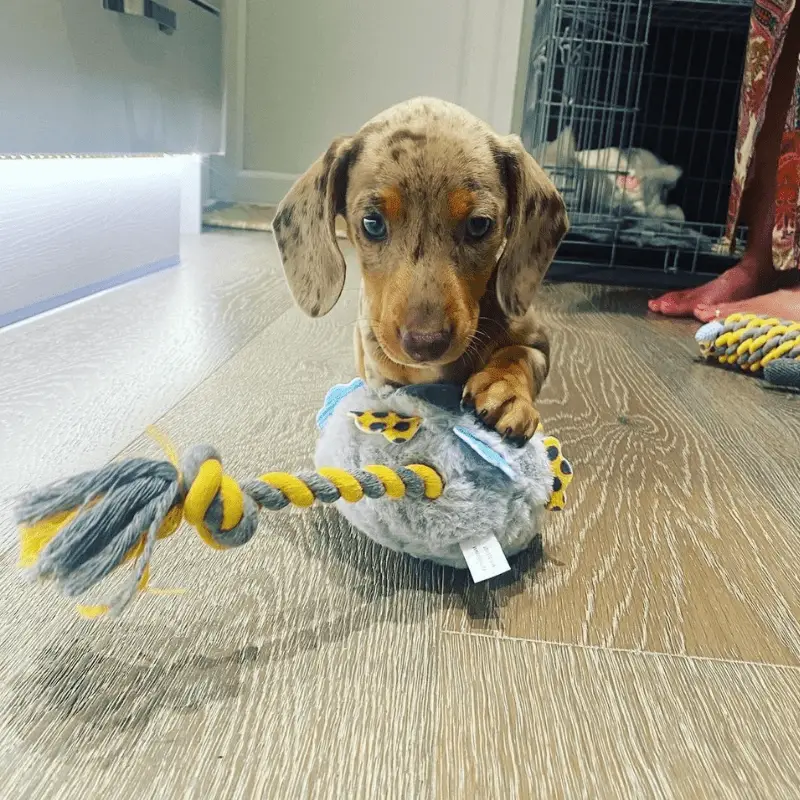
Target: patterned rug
x=248, y=217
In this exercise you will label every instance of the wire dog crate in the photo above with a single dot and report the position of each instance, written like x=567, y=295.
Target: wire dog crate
x=631, y=107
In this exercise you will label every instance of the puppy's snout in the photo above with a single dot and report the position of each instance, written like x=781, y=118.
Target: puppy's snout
x=426, y=345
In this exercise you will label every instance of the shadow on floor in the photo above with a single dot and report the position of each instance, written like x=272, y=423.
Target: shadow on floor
x=113, y=680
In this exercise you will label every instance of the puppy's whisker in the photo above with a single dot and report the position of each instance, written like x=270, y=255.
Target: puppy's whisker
x=382, y=357
x=492, y=322
x=481, y=337
x=475, y=353
x=373, y=323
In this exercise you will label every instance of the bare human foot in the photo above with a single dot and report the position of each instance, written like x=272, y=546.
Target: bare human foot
x=747, y=279
x=753, y=279
x=783, y=304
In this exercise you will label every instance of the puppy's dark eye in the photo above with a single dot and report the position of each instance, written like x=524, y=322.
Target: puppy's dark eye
x=478, y=227
x=374, y=226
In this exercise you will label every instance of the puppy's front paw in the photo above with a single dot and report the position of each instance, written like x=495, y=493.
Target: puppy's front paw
x=502, y=405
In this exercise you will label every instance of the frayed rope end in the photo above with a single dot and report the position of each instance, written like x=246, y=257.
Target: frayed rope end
x=79, y=530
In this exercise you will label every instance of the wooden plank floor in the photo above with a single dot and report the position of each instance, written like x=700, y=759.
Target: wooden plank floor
x=129, y=355
x=653, y=651
x=685, y=517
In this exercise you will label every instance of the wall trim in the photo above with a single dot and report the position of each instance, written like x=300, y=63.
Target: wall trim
x=260, y=186
x=489, y=84
x=82, y=292
x=224, y=169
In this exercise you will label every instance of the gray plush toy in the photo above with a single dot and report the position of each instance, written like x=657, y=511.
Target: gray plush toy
x=408, y=467
x=491, y=488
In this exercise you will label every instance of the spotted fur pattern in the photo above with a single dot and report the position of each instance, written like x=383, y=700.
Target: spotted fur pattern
x=428, y=166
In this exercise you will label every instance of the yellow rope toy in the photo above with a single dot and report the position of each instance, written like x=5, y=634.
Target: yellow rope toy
x=749, y=342
x=79, y=530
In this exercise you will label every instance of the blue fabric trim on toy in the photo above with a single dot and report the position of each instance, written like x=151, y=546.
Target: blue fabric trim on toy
x=334, y=397
x=489, y=455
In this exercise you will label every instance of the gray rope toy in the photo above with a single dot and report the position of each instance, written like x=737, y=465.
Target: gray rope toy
x=79, y=530
x=783, y=374
x=763, y=346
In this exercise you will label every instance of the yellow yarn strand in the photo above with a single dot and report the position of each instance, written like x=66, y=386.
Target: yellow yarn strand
x=295, y=490
x=202, y=492
x=34, y=538
x=162, y=440
x=200, y=496
x=349, y=488
x=395, y=488
x=434, y=486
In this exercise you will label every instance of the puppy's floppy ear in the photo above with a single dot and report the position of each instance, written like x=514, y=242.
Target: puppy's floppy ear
x=537, y=222
x=305, y=229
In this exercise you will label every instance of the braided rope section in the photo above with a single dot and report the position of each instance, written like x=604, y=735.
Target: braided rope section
x=748, y=341
x=79, y=530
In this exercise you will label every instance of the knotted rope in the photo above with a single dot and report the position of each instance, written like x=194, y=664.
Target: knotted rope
x=749, y=342
x=79, y=530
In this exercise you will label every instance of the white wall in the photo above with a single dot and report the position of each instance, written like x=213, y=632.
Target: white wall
x=300, y=73
x=316, y=69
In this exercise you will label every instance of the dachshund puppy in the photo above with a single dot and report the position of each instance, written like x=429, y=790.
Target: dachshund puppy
x=454, y=227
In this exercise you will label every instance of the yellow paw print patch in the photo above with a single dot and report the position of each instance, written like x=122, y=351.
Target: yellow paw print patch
x=562, y=473
x=397, y=428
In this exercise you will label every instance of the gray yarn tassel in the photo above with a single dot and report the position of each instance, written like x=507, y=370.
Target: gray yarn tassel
x=115, y=504
x=118, y=505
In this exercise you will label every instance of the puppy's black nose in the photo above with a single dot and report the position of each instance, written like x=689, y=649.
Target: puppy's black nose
x=426, y=345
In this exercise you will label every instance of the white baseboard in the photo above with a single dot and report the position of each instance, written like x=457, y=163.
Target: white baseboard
x=250, y=186
x=71, y=227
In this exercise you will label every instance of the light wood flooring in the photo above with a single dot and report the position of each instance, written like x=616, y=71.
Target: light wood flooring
x=653, y=651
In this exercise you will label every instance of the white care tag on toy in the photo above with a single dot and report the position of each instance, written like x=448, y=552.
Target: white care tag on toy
x=484, y=556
